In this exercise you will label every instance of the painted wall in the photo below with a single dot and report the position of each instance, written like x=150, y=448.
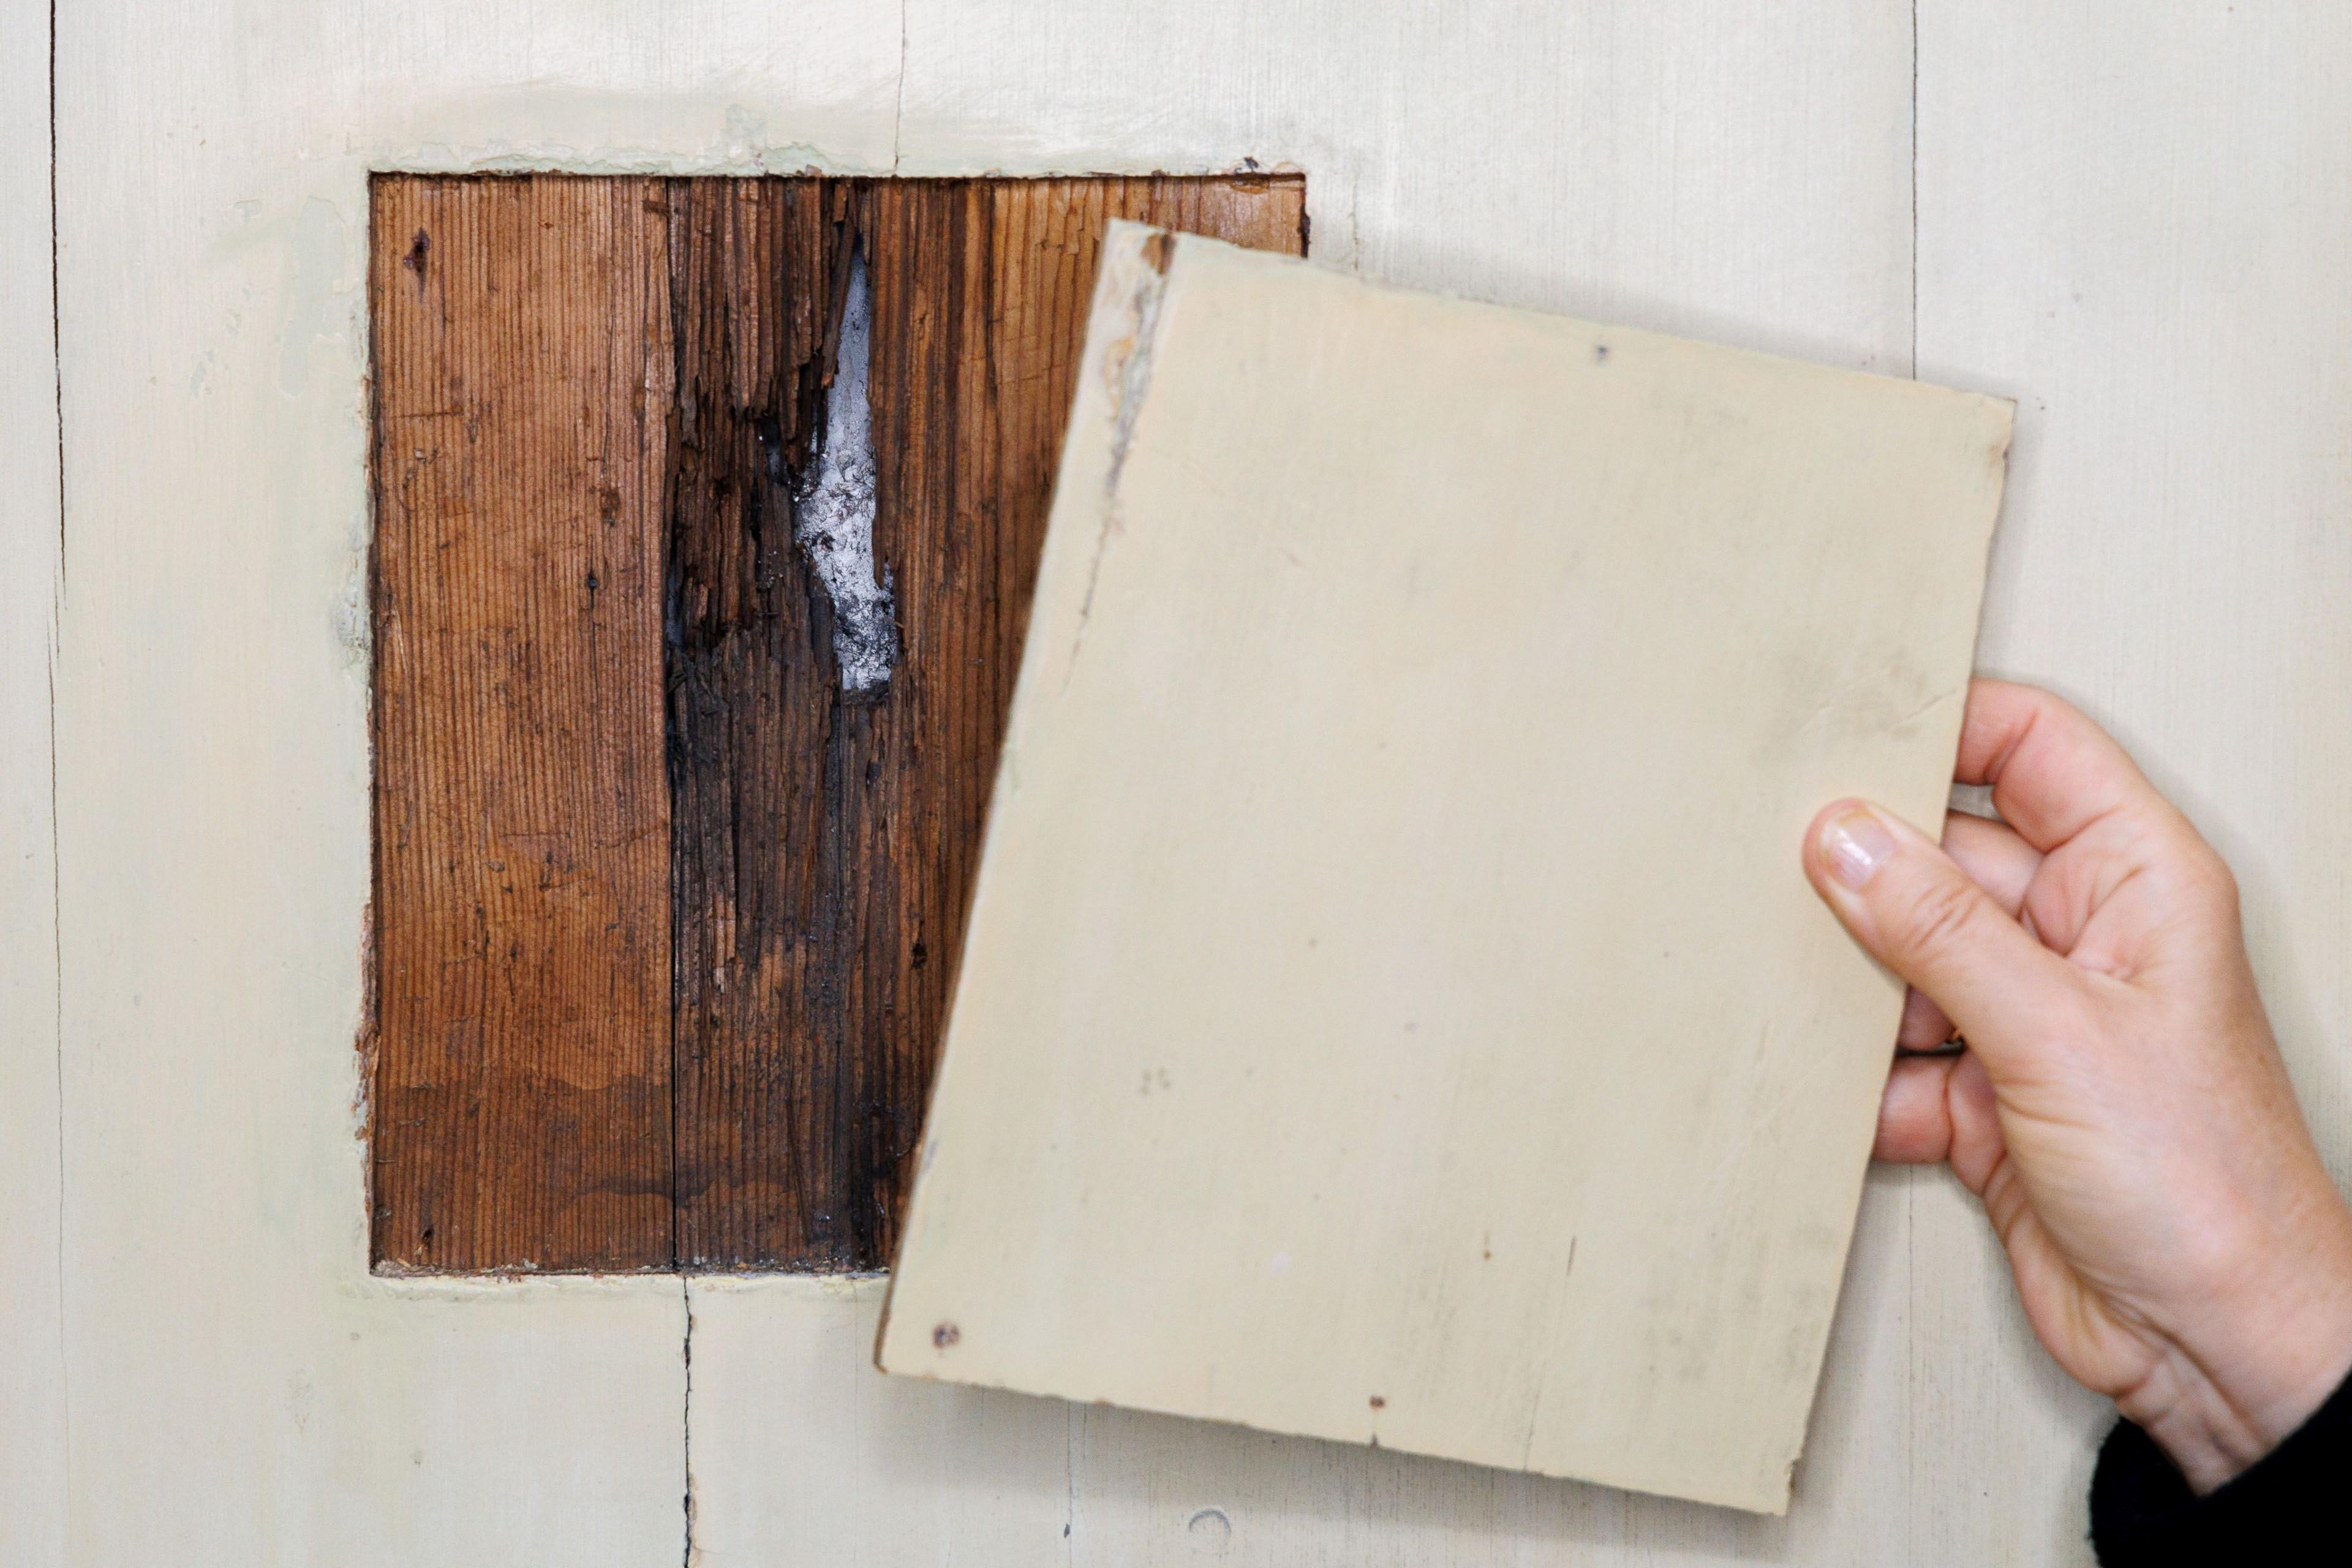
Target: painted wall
x=2129, y=225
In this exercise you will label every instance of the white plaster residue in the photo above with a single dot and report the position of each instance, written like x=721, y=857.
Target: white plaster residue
x=1127, y=370
x=832, y=512
x=1131, y=363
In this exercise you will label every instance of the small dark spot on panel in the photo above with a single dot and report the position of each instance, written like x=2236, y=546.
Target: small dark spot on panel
x=945, y=1335
x=1380, y=1402
x=1601, y=353
x=593, y=584
x=1159, y=250
x=922, y=955
x=419, y=249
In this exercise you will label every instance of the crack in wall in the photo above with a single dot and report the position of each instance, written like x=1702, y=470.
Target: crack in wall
x=687, y=1550
x=898, y=111
x=56, y=875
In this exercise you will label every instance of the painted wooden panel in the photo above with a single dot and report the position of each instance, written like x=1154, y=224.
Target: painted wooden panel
x=615, y=716
x=32, y=1330
x=2167, y=557
x=1338, y=1048
x=1656, y=165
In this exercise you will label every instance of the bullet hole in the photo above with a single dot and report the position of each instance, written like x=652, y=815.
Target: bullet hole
x=945, y=1335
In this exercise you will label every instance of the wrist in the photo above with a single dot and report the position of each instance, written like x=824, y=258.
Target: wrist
x=2271, y=1347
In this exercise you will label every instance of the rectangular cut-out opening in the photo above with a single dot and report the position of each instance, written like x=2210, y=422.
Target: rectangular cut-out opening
x=689, y=676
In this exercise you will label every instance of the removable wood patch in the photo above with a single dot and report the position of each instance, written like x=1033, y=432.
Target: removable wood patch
x=707, y=512
x=1393, y=1009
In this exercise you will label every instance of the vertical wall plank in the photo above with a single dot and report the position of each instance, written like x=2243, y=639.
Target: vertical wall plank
x=522, y=366
x=2140, y=233
x=826, y=840
x=32, y=1292
x=751, y=729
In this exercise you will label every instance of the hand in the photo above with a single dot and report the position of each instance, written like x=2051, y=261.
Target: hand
x=2120, y=1107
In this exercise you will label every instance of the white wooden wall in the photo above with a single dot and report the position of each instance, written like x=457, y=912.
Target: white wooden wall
x=2134, y=221
x=32, y=1344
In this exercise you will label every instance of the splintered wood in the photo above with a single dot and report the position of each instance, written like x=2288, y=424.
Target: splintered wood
x=666, y=907
x=1393, y=1009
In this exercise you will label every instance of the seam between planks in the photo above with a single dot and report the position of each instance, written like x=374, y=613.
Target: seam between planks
x=685, y=1423
x=1915, y=190
x=898, y=110
x=56, y=876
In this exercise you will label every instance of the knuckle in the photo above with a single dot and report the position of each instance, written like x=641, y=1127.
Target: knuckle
x=1938, y=919
x=2202, y=863
x=2207, y=877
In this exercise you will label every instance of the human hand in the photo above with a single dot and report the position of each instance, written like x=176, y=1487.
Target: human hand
x=2120, y=1107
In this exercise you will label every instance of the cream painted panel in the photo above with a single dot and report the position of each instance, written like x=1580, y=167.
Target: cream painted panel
x=32, y=1361
x=242, y=1390
x=2138, y=229
x=1539, y=1148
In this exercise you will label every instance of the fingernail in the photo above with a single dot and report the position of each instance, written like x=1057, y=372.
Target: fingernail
x=1854, y=844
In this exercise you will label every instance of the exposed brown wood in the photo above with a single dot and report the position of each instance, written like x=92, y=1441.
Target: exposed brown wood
x=523, y=1092
x=825, y=845
x=822, y=844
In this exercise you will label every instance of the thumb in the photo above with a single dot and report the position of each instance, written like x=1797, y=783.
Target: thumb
x=1915, y=912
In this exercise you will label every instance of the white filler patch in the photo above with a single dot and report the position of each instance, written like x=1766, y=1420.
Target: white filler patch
x=832, y=512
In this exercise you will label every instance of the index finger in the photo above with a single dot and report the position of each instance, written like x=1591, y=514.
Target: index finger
x=2054, y=773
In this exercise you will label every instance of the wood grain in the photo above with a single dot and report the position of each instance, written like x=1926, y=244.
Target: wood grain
x=522, y=946
x=595, y=401
x=825, y=845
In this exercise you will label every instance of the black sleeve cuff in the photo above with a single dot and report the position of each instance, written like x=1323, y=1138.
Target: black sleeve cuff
x=2288, y=1508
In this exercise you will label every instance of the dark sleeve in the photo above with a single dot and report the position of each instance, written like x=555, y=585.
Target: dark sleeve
x=2288, y=1508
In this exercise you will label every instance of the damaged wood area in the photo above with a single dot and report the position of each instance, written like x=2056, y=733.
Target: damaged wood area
x=708, y=515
